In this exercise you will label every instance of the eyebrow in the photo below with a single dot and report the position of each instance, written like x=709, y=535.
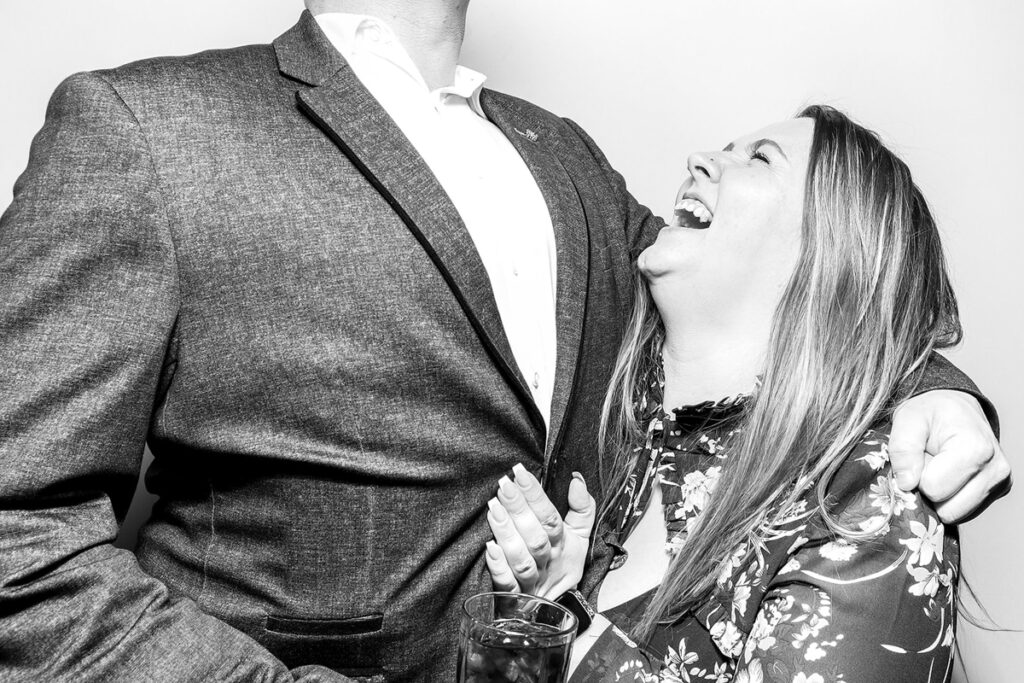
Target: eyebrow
x=757, y=143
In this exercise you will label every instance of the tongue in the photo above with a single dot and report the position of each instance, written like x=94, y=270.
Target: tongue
x=688, y=219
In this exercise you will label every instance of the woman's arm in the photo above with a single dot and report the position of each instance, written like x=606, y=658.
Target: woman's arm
x=604, y=653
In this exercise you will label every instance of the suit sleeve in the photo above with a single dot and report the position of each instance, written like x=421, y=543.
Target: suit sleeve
x=88, y=302
x=641, y=225
x=939, y=373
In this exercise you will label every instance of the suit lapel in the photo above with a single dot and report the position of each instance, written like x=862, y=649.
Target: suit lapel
x=347, y=113
x=571, y=243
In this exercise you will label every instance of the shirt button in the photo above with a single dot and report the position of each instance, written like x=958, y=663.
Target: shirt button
x=536, y=380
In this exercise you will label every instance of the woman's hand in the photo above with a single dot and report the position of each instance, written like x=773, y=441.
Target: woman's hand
x=536, y=551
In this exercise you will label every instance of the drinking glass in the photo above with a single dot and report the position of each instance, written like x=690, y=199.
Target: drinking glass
x=514, y=638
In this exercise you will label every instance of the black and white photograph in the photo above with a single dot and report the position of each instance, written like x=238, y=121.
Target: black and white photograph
x=563, y=341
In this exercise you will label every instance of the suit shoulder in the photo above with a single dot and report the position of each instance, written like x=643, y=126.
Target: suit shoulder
x=207, y=69
x=561, y=129
x=191, y=92
x=564, y=135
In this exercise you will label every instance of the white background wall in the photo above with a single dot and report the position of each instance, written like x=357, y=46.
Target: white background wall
x=654, y=80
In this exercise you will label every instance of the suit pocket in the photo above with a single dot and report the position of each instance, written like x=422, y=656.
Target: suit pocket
x=349, y=626
x=352, y=646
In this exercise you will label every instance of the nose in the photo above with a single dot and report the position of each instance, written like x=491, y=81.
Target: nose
x=705, y=164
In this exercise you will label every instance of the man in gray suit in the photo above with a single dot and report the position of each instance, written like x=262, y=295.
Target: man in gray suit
x=274, y=264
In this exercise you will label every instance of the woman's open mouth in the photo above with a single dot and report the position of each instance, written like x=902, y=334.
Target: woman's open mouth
x=692, y=213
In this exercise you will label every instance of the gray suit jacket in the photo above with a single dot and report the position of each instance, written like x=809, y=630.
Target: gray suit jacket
x=238, y=257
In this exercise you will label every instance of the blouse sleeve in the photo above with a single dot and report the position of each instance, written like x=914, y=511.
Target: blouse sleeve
x=613, y=656
x=880, y=610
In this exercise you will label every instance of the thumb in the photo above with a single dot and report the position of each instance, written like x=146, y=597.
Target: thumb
x=907, y=442
x=582, y=508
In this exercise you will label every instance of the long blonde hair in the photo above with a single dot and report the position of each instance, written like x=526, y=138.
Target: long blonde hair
x=869, y=300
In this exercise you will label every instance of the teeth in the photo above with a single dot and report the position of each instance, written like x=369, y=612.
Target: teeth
x=696, y=208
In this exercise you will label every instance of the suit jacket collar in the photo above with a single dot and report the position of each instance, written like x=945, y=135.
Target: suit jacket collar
x=342, y=107
x=305, y=54
x=531, y=138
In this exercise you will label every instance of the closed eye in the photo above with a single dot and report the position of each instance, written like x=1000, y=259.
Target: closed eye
x=755, y=147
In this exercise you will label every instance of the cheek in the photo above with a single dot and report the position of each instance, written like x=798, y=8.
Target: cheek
x=760, y=240
x=749, y=199
x=773, y=249
x=765, y=214
x=755, y=226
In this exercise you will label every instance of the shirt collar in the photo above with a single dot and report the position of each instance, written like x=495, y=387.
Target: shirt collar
x=468, y=84
x=360, y=34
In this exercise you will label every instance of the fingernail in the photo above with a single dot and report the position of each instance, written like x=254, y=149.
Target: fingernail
x=492, y=550
x=579, y=477
x=497, y=510
x=522, y=476
x=506, y=486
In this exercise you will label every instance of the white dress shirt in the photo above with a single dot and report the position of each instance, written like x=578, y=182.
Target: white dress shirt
x=483, y=174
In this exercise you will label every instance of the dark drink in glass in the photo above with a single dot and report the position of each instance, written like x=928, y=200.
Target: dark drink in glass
x=514, y=638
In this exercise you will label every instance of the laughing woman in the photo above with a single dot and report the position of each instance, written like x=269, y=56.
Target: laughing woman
x=759, y=534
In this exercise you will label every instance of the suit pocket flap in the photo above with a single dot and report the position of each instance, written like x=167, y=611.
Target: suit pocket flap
x=367, y=623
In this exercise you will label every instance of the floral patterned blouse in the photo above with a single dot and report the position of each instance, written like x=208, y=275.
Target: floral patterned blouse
x=810, y=607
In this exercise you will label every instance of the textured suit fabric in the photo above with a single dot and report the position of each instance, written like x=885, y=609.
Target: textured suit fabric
x=237, y=257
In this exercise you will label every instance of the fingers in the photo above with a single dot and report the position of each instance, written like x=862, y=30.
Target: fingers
x=963, y=505
x=582, y=508
x=517, y=555
x=959, y=503
x=537, y=500
x=907, y=442
x=959, y=461
x=533, y=533
x=501, y=573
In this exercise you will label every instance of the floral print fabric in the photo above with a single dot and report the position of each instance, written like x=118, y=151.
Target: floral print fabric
x=809, y=606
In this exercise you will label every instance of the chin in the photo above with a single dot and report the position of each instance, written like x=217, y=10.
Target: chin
x=641, y=262
x=650, y=265
x=660, y=270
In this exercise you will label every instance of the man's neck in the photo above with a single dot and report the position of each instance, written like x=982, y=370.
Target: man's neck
x=431, y=31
